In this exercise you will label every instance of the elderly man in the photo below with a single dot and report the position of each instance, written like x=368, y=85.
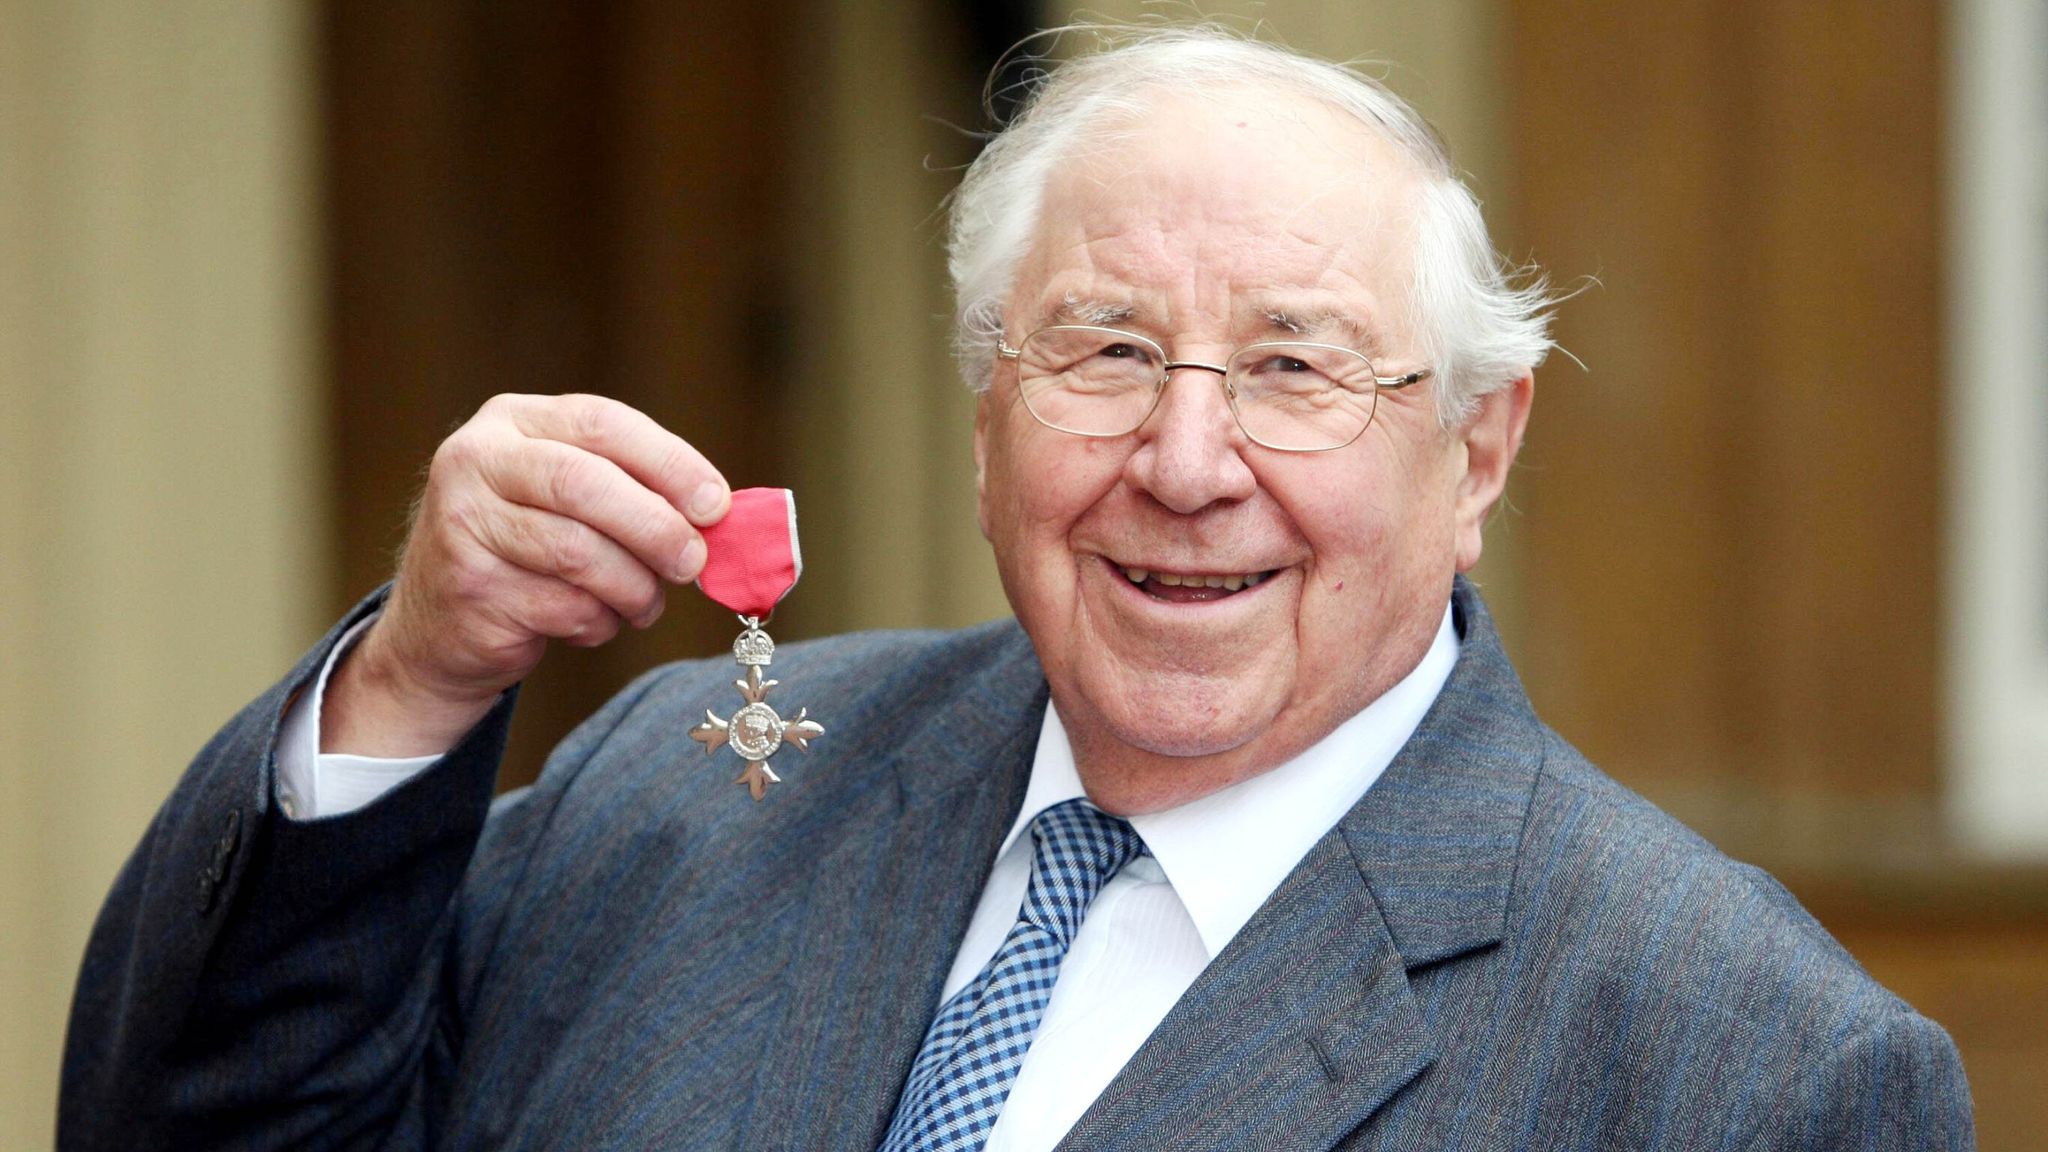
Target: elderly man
x=1243, y=835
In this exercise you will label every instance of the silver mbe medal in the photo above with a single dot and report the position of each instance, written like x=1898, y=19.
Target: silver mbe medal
x=752, y=561
x=756, y=731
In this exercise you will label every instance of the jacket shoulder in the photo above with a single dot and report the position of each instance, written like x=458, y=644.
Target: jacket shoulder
x=630, y=790
x=875, y=693
x=1597, y=852
x=1700, y=974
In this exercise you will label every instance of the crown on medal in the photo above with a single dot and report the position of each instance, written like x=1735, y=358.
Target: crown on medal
x=754, y=648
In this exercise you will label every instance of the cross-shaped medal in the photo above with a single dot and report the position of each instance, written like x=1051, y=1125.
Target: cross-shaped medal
x=755, y=731
x=751, y=564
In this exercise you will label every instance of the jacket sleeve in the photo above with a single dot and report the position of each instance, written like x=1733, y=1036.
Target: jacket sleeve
x=257, y=982
x=1896, y=1084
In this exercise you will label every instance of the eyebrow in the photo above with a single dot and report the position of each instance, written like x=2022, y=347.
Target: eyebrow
x=1320, y=324
x=1080, y=310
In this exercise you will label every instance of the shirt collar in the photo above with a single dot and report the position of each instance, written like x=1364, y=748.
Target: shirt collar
x=1226, y=852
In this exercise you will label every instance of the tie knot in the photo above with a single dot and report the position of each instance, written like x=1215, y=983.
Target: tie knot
x=1079, y=847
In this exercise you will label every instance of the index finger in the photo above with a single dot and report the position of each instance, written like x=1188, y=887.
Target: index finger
x=664, y=462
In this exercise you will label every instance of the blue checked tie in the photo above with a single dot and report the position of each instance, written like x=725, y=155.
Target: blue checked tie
x=972, y=1052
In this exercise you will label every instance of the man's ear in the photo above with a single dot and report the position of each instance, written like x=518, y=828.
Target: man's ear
x=981, y=410
x=1490, y=439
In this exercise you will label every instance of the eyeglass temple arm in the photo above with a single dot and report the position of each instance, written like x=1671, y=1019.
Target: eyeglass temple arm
x=1414, y=377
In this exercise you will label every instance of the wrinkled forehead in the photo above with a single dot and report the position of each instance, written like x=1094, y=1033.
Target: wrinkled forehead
x=1222, y=204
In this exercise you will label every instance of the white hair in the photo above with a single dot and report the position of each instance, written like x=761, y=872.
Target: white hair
x=1480, y=321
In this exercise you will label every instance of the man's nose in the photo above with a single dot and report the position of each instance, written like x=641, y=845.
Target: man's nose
x=1190, y=450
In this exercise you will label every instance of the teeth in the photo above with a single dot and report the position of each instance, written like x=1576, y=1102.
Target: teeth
x=1232, y=583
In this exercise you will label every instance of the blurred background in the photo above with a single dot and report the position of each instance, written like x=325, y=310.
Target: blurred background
x=1776, y=556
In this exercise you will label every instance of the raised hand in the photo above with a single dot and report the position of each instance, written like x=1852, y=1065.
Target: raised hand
x=544, y=517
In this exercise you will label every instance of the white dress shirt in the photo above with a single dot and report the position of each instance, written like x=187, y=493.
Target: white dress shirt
x=312, y=784
x=1151, y=930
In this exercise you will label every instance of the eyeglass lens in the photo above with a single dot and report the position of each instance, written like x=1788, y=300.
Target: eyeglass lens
x=1100, y=382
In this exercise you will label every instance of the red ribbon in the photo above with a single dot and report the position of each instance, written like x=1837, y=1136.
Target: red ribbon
x=752, y=558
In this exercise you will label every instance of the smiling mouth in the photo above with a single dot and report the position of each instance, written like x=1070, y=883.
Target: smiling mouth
x=1190, y=587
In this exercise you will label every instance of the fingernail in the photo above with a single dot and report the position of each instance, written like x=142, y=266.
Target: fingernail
x=705, y=500
x=691, y=561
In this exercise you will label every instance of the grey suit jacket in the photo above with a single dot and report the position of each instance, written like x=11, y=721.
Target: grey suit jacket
x=1497, y=948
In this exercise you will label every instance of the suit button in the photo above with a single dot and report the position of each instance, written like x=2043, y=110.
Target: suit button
x=230, y=836
x=214, y=872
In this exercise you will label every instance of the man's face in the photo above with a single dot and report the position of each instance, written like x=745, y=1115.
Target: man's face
x=1209, y=225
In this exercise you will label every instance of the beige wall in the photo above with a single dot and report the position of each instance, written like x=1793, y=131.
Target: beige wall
x=161, y=511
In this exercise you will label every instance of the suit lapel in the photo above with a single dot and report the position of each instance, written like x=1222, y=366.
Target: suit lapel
x=1438, y=837
x=1292, y=1036
x=1305, y=1025
x=887, y=909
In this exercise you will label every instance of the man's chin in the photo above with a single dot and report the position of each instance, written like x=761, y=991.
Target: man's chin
x=1212, y=721
x=1132, y=766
